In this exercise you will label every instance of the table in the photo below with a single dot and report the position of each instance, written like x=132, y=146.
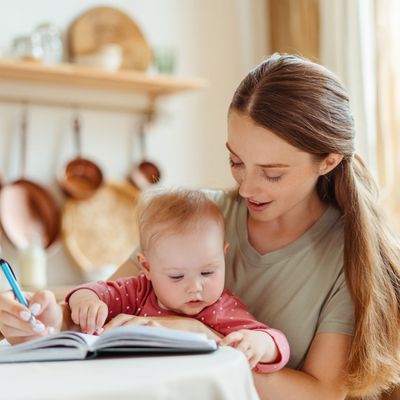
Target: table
x=223, y=374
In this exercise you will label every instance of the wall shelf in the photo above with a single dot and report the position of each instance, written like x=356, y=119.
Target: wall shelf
x=96, y=78
x=71, y=75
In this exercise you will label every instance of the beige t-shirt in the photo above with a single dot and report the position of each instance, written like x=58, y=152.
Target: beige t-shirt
x=300, y=288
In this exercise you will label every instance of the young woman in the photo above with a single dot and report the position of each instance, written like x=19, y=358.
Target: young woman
x=310, y=252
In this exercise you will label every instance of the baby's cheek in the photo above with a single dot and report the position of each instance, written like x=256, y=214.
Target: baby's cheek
x=216, y=289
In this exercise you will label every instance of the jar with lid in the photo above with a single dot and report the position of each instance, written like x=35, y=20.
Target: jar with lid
x=49, y=38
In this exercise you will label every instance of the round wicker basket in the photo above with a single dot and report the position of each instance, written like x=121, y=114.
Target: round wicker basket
x=100, y=26
x=101, y=231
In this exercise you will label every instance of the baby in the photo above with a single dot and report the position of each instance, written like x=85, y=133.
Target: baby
x=182, y=260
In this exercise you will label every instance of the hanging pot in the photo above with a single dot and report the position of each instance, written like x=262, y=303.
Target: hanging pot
x=28, y=212
x=81, y=177
x=146, y=173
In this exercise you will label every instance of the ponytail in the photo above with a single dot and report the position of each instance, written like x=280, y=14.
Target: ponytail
x=372, y=262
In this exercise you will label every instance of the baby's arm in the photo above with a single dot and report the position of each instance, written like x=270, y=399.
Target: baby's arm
x=110, y=298
x=257, y=346
x=88, y=311
x=230, y=317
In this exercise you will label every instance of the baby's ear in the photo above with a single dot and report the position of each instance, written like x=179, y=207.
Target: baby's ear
x=226, y=247
x=144, y=265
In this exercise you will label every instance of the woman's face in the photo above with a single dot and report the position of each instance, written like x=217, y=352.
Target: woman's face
x=275, y=178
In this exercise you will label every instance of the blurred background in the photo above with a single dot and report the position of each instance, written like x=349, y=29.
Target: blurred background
x=151, y=80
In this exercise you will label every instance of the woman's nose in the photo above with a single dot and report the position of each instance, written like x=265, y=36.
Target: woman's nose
x=247, y=186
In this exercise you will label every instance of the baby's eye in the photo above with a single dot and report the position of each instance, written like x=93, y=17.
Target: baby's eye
x=176, y=277
x=207, y=273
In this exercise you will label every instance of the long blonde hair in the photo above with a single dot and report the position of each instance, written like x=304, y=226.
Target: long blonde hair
x=304, y=104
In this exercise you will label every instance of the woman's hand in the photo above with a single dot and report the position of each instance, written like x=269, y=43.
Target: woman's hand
x=172, y=322
x=14, y=317
x=128, y=319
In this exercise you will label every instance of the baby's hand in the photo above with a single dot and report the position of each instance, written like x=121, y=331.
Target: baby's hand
x=88, y=311
x=256, y=345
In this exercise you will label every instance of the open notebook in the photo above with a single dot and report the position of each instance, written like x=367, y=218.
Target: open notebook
x=142, y=340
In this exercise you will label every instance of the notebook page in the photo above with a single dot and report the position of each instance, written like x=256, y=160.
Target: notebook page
x=153, y=336
x=66, y=339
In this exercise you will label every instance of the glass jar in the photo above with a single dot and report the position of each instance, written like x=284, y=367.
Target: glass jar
x=49, y=38
x=32, y=262
x=26, y=48
x=165, y=59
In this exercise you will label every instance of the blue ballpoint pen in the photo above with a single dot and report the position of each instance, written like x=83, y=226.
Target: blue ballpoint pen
x=9, y=274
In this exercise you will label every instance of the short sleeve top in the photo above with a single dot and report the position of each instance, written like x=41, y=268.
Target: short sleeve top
x=300, y=288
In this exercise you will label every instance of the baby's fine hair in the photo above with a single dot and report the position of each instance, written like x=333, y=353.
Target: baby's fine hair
x=168, y=212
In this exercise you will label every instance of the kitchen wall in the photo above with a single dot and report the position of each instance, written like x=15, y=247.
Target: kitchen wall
x=216, y=40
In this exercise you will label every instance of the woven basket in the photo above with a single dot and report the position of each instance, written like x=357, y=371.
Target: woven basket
x=100, y=26
x=101, y=231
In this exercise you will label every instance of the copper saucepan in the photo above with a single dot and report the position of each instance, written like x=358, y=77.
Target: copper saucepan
x=28, y=212
x=146, y=173
x=81, y=177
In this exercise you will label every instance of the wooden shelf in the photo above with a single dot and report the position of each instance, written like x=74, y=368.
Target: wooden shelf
x=96, y=78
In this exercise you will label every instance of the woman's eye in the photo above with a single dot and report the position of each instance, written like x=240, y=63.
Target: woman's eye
x=208, y=273
x=234, y=164
x=271, y=178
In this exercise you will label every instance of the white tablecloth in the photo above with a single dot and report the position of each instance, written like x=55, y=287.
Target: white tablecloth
x=224, y=374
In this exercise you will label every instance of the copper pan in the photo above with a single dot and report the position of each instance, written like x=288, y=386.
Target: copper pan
x=81, y=177
x=28, y=212
x=146, y=173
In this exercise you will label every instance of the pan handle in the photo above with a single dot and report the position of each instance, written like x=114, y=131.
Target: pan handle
x=142, y=139
x=77, y=134
x=24, y=128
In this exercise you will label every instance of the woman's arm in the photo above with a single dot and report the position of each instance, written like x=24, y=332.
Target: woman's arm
x=128, y=268
x=322, y=378
x=179, y=323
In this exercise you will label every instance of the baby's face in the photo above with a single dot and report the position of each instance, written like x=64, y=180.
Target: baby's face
x=187, y=270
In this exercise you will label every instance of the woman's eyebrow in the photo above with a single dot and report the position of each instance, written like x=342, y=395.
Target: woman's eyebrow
x=272, y=165
x=228, y=147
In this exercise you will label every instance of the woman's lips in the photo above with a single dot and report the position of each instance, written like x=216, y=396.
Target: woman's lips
x=257, y=206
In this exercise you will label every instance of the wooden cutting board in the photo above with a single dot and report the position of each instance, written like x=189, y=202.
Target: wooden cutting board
x=100, y=26
x=102, y=230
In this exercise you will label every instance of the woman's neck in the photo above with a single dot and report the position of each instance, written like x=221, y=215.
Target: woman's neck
x=268, y=236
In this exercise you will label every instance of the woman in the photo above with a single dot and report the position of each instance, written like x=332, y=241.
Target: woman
x=309, y=251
